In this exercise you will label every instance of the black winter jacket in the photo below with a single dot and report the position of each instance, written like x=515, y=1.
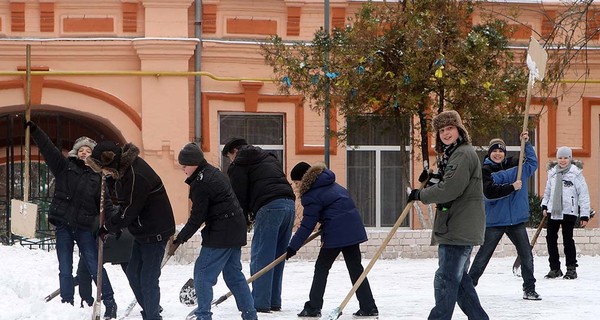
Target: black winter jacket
x=76, y=200
x=215, y=204
x=144, y=207
x=258, y=178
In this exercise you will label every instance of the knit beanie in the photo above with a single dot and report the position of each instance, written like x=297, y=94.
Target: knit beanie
x=449, y=118
x=496, y=143
x=106, y=154
x=299, y=170
x=564, y=152
x=190, y=155
x=232, y=144
x=82, y=142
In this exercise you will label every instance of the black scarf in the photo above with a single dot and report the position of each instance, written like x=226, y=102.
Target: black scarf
x=448, y=150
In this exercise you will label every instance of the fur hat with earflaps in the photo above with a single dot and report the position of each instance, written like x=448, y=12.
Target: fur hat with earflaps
x=449, y=118
x=81, y=142
x=106, y=155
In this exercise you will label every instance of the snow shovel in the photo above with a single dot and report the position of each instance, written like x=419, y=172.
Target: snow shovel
x=536, y=63
x=517, y=265
x=337, y=312
x=23, y=214
x=97, y=304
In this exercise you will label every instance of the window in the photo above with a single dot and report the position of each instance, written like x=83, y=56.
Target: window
x=378, y=156
x=262, y=130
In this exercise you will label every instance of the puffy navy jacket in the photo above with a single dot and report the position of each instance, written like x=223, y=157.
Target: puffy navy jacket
x=327, y=202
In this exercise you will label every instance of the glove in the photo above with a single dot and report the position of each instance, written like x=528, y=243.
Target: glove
x=173, y=247
x=103, y=233
x=290, y=253
x=32, y=126
x=424, y=176
x=414, y=195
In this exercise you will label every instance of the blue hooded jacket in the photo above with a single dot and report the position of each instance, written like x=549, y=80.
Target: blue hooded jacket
x=329, y=203
x=503, y=205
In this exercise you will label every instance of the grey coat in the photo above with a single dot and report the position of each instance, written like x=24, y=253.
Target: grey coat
x=464, y=222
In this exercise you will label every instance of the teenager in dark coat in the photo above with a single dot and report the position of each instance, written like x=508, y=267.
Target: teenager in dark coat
x=215, y=205
x=145, y=209
x=74, y=212
x=329, y=203
x=264, y=193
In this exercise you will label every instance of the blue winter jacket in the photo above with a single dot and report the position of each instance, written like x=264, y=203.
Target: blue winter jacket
x=327, y=202
x=507, y=208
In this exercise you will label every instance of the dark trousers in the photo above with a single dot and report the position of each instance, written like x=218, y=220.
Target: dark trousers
x=518, y=236
x=323, y=264
x=568, y=243
x=84, y=280
x=143, y=272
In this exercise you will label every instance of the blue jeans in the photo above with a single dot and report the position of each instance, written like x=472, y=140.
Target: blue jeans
x=209, y=265
x=518, y=236
x=143, y=272
x=453, y=285
x=272, y=233
x=66, y=237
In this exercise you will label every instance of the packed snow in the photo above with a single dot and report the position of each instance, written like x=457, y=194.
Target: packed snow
x=403, y=289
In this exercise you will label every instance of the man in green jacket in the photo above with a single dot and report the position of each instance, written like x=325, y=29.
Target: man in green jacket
x=460, y=217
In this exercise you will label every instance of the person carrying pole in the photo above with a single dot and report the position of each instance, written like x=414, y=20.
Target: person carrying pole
x=327, y=202
x=75, y=213
x=507, y=210
x=459, y=222
x=214, y=204
x=144, y=209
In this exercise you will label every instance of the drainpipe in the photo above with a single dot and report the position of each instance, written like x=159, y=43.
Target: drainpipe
x=197, y=79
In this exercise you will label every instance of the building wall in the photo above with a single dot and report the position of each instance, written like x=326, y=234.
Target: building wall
x=156, y=112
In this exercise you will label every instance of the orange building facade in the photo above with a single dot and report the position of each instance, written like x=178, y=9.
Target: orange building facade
x=120, y=70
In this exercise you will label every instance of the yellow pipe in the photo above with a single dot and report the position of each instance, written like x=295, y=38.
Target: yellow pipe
x=135, y=73
x=177, y=74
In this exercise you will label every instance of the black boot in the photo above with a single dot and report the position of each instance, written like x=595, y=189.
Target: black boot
x=309, y=311
x=554, y=274
x=111, y=309
x=571, y=273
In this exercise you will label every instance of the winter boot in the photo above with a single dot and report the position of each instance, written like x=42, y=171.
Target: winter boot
x=531, y=295
x=362, y=313
x=111, y=309
x=309, y=311
x=87, y=302
x=571, y=273
x=554, y=274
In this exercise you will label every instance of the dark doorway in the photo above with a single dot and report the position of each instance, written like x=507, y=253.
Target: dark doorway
x=63, y=129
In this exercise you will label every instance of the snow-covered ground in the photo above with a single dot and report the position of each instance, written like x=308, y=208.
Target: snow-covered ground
x=403, y=289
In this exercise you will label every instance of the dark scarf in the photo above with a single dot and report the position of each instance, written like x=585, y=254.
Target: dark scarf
x=448, y=150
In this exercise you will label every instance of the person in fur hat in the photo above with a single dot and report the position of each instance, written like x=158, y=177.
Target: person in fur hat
x=214, y=204
x=566, y=197
x=459, y=222
x=327, y=202
x=74, y=212
x=145, y=210
x=507, y=210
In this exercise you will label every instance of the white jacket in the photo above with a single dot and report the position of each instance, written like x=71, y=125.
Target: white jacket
x=576, y=198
